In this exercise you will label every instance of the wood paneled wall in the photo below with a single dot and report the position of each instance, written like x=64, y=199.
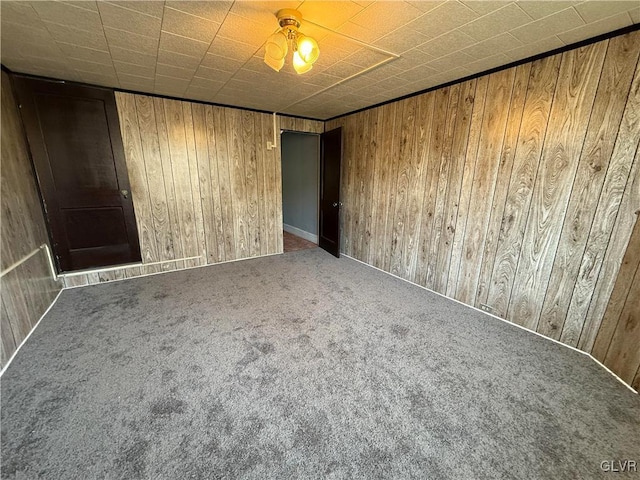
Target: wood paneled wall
x=617, y=344
x=301, y=124
x=28, y=290
x=518, y=190
x=204, y=185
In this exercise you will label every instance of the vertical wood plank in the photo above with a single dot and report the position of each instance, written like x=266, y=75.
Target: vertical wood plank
x=129, y=129
x=458, y=149
x=169, y=188
x=572, y=104
x=611, y=96
x=154, y=177
x=251, y=183
x=204, y=174
x=488, y=159
x=542, y=83
x=430, y=157
x=194, y=183
x=442, y=168
x=611, y=228
x=467, y=182
x=505, y=167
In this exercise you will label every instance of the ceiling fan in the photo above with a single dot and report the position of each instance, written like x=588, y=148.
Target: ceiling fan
x=289, y=38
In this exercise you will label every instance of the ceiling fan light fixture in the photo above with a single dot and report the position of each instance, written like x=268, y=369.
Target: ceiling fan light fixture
x=305, y=49
x=274, y=62
x=299, y=65
x=276, y=46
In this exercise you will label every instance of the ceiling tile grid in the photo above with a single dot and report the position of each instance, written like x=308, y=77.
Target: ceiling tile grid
x=212, y=50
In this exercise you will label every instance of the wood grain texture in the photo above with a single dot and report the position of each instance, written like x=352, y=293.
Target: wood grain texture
x=203, y=184
x=519, y=190
x=611, y=97
x=28, y=290
x=570, y=112
x=623, y=352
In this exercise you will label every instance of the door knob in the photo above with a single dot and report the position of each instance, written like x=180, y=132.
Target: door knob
x=335, y=204
x=125, y=193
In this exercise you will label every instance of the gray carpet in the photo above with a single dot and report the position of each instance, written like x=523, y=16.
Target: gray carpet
x=301, y=366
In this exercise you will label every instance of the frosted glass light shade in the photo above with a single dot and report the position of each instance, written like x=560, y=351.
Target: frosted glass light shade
x=300, y=65
x=273, y=62
x=276, y=46
x=307, y=48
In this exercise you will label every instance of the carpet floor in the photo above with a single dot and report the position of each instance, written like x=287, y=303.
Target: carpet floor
x=301, y=366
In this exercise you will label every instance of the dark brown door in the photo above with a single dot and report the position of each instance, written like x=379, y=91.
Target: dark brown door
x=330, y=159
x=74, y=137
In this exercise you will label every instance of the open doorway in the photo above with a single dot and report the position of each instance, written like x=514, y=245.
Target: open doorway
x=300, y=189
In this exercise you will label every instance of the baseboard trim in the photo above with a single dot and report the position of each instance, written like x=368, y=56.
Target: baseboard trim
x=24, y=340
x=498, y=318
x=300, y=233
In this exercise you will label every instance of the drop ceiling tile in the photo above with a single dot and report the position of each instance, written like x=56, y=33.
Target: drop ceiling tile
x=412, y=58
x=152, y=8
x=81, y=53
x=451, y=61
x=232, y=49
x=178, y=60
x=416, y=74
x=186, y=46
x=343, y=69
x=127, y=40
x=597, y=10
x=82, y=4
x=48, y=64
x=97, y=79
x=223, y=63
x=443, y=18
x=262, y=11
x=329, y=13
x=537, y=9
x=635, y=15
x=67, y=34
x=66, y=14
x=596, y=28
x=364, y=34
x=426, y=6
x=42, y=50
x=20, y=13
x=447, y=43
x=497, y=60
x=485, y=6
x=398, y=43
x=337, y=43
x=130, y=56
x=321, y=80
x=545, y=45
x=199, y=93
x=135, y=69
x=166, y=82
x=489, y=47
x=246, y=30
x=135, y=82
x=553, y=24
x=92, y=67
x=213, y=11
x=196, y=28
x=377, y=16
x=366, y=58
x=507, y=18
x=12, y=31
x=212, y=85
x=129, y=20
x=172, y=71
x=213, y=74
